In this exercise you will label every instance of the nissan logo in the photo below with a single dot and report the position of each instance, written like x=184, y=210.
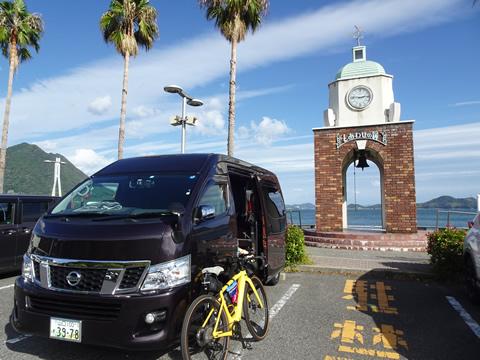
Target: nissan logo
x=73, y=278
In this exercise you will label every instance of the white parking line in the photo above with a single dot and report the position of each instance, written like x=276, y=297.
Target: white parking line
x=236, y=352
x=465, y=315
x=6, y=287
x=17, y=339
x=278, y=306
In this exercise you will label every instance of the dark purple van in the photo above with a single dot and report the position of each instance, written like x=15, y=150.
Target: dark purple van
x=116, y=261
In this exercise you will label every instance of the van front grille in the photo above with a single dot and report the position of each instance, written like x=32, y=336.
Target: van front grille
x=131, y=277
x=92, y=277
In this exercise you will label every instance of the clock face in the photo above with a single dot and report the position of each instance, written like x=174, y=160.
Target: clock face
x=360, y=97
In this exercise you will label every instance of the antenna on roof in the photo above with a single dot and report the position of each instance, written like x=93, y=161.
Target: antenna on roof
x=357, y=34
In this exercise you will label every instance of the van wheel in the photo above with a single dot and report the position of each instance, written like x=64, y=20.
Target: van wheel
x=473, y=291
x=274, y=280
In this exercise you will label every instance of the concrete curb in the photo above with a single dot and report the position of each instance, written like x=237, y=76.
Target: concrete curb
x=373, y=272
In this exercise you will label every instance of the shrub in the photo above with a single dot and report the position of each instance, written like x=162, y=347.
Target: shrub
x=445, y=248
x=295, y=247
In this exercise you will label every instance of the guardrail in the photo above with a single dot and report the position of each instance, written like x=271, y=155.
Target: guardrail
x=451, y=212
x=290, y=212
x=290, y=215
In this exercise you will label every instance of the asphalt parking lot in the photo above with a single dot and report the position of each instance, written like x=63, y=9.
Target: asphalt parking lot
x=317, y=316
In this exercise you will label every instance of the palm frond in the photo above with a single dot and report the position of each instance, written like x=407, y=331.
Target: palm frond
x=128, y=24
x=234, y=18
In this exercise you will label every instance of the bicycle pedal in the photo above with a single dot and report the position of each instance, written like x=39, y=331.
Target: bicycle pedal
x=248, y=346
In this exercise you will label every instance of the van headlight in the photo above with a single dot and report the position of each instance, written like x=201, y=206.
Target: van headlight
x=168, y=275
x=27, y=268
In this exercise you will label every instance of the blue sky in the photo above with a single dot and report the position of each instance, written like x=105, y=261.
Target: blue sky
x=67, y=99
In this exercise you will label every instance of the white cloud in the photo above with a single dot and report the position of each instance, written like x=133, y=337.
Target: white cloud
x=269, y=130
x=100, y=105
x=88, y=160
x=211, y=122
x=466, y=103
x=242, y=133
x=143, y=111
x=243, y=95
x=47, y=145
x=135, y=128
x=325, y=28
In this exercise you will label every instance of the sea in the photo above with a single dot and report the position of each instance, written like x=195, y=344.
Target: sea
x=427, y=219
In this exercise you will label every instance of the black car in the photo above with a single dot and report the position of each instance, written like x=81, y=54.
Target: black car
x=18, y=215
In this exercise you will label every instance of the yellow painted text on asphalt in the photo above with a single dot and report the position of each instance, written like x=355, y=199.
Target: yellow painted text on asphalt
x=353, y=338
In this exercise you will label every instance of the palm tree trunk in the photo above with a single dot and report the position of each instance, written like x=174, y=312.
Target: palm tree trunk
x=3, y=150
x=231, y=104
x=121, y=131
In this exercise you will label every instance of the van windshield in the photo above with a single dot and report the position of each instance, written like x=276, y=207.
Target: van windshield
x=127, y=194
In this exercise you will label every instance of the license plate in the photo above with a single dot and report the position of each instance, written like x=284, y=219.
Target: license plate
x=66, y=329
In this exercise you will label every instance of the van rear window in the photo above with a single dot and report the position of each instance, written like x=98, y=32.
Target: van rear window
x=128, y=194
x=274, y=210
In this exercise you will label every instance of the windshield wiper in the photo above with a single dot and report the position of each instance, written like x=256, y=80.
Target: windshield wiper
x=78, y=214
x=134, y=216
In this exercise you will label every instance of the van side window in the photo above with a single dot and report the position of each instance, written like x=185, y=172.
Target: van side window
x=7, y=211
x=274, y=210
x=215, y=195
x=31, y=211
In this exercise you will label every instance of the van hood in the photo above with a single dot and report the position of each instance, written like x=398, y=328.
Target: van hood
x=120, y=240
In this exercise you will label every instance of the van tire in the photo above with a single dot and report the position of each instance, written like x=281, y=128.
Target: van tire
x=274, y=281
x=473, y=292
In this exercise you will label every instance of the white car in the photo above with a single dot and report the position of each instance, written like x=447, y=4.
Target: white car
x=471, y=254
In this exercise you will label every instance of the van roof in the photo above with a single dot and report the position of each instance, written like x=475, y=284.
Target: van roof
x=171, y=163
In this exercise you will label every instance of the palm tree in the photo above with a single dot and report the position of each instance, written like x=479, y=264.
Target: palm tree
x=127, y=24
x=18, y=29
x=234, y=18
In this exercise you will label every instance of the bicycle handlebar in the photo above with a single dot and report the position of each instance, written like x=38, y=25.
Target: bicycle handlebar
x=245, y=260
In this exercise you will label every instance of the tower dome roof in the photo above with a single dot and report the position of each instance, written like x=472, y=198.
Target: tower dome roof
x=360, y=69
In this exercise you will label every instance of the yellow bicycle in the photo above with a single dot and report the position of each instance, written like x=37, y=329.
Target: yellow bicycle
x=211, y=320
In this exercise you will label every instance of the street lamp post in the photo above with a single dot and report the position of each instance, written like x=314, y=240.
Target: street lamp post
x=186, y=99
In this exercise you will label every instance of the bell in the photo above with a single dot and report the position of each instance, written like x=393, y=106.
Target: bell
x=362, y=160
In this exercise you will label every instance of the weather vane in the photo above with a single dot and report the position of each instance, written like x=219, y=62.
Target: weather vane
x=357, y=34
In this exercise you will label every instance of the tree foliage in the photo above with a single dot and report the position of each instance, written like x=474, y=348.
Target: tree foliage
x=128, y=24
x=234, y=18
x=19, y=30
x=445, y=248
x=295, y=246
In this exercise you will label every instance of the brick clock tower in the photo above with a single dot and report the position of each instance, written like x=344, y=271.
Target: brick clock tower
x=363, y=122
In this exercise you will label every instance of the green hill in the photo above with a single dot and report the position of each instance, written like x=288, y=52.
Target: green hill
x=448, y=202
x=27, y=173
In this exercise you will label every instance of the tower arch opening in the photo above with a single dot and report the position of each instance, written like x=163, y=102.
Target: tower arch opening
x=355, y=179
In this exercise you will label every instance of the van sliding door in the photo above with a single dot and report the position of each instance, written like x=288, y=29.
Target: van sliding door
x=275, y=225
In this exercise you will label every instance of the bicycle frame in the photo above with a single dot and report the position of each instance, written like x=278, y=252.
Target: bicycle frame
x=242, y=279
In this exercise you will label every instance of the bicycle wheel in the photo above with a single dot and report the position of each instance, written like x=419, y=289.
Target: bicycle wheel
x=256, y=317
x=197, y=341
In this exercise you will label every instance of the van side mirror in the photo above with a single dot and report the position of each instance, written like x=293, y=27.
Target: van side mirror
x=204, y=212
x=178, y=210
